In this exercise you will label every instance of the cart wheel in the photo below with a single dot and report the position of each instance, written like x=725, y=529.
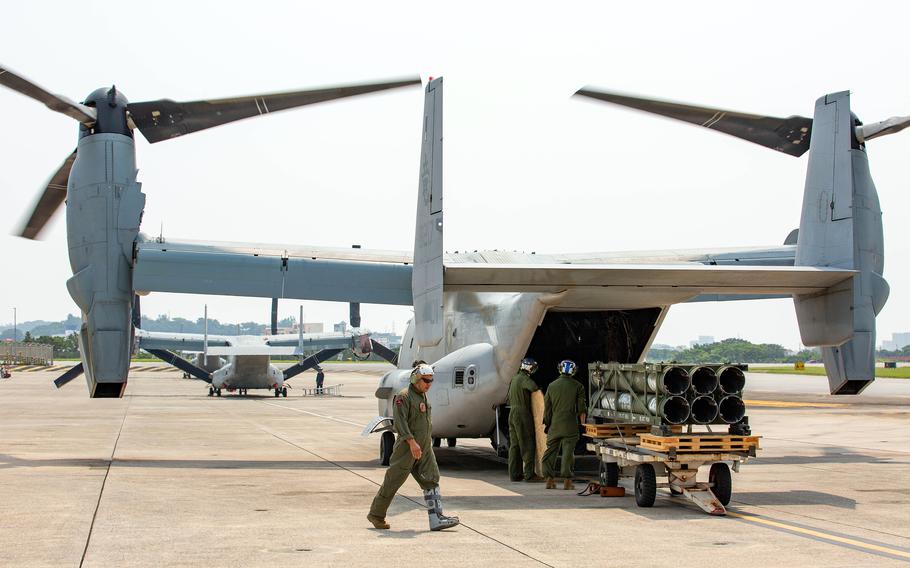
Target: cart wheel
x=450, y=442
x=645, y=485
x=722, y=482
x=609, y=474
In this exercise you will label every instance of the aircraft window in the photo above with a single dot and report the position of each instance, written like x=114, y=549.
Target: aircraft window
x=459, y=377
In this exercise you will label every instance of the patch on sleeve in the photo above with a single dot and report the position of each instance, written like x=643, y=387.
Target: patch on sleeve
x=397, y=401
x=423, y=407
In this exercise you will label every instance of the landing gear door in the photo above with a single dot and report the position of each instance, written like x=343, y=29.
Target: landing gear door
x=378, y=424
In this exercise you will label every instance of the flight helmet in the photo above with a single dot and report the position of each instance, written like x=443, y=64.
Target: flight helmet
x=528, y=364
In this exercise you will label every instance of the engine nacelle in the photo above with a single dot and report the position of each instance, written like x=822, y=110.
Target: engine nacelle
x=103, y=210
x=362, y=346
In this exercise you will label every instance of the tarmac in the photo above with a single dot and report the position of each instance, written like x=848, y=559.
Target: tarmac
x=167, y=476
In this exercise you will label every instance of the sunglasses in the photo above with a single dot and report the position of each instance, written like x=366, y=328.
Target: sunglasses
x=427, y=381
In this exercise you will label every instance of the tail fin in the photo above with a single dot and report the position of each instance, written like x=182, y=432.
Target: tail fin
x=427, y=276
x=841, y=226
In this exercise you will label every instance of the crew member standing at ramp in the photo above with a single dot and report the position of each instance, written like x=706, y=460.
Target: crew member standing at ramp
x=564, y=405
x=521, y=424
x=413, y=453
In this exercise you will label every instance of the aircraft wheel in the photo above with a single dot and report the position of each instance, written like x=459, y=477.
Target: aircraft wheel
x=211, y=391
x=437, y=442
x=217, y=392
x=645, y=485
x=284, y=392
x=277, y=393
x=386, y=443
x=720, y=477
x=451, y=442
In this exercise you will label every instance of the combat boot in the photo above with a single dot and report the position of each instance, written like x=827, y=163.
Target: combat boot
x=567, y=484
x=534, y=479
x=438, y=521
x=378, y=522
x=551, y=483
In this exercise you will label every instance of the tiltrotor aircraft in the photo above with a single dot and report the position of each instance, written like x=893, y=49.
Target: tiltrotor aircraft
x=242, y=362
x=104, y=203
x=477, y=314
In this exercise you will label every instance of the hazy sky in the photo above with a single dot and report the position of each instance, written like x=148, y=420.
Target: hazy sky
x=526, y=166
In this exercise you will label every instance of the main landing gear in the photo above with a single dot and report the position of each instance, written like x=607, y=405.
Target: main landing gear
x=386, y=442
x=214, y=392
x=283, y=391
x=242, y=392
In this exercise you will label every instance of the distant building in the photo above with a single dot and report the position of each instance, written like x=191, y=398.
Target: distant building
x=702, y=340
x=340, y=327
x=898, y=341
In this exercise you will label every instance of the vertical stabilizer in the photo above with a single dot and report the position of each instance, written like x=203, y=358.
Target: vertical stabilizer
x=428, y=269
x=841, y=227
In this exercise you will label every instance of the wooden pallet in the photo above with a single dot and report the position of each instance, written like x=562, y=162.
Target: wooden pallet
x=699, y=443
x=616, y=430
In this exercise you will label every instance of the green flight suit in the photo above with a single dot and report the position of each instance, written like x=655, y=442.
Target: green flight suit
x=412, y=420
x=522, y=448
x=564, y=403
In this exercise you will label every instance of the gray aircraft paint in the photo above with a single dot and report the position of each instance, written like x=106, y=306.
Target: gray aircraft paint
x=103, y=210
x=841, y=226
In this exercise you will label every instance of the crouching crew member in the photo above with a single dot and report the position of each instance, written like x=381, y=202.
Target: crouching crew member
x=522, y=448
x=413, y=453
x=564, y=406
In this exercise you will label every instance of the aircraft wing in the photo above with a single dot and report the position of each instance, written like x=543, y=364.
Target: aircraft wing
x=597, y=280
x=627, y=286
x=273, y=271
x=179, y=341
x=221, y=345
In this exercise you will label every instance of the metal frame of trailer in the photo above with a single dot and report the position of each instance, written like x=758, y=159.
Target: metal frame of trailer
x=624, y=457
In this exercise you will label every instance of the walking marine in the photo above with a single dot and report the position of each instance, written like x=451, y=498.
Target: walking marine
x=564, y=406
x=413, y=453
x=522, y=447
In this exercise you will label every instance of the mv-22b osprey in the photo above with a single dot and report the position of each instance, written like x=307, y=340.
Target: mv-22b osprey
x=477, y=314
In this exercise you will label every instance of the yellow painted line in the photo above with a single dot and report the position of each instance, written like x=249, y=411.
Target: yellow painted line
x=787, y=404
x=821, y=535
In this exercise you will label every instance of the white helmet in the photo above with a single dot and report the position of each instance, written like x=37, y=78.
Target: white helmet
x=421, y=371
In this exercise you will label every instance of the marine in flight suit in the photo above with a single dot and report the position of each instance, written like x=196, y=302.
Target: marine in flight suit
x=412, y=453
x=564, y=405
x=522, y=446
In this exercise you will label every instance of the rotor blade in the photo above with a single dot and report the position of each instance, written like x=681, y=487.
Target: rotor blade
x=66, y=377
x=49, y=201
x=85, y=115
x=177, y=361
x=163, y=119
x=883, y=128
x=137, y=312
x=310, y=362
x=788, y=135
x=384, y=352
